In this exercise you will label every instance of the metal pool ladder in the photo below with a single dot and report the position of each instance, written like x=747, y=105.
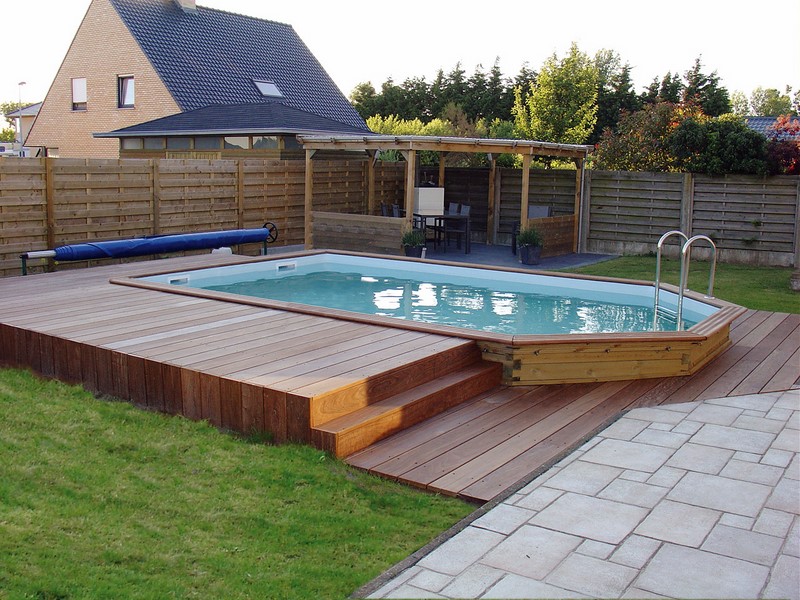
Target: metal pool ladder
x=686, y=257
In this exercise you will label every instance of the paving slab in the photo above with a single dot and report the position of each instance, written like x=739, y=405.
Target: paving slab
x=679, y=523
x=680, y=572
x=593, y=577
x=748, y=545
x=629, y=455
x=591, y=518
x=532, y=551
x=721, y=493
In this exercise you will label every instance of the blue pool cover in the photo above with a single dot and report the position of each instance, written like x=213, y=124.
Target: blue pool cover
x=161, y=244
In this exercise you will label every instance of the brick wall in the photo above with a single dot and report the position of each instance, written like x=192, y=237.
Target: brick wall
x=103, y=48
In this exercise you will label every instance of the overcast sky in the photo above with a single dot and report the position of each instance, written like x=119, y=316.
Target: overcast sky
x=748, y=44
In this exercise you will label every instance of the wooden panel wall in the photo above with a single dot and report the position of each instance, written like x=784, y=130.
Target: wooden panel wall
x=357, y=233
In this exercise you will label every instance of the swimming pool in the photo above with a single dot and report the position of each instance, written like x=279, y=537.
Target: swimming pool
x=511, y=303
x=518, y=318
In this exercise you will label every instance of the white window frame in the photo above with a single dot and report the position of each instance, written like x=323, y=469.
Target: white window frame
x=80, y=96
x=126, y=91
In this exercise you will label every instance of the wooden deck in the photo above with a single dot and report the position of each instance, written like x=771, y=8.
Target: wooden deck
x=248, y=368
x=484, y=446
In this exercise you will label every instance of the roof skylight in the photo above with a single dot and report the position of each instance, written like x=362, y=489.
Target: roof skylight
x=268, y=88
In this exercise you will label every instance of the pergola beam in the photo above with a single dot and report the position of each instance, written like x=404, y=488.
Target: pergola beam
x=442, y=144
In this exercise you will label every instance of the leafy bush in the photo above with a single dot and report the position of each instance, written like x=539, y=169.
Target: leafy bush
x=529, y=236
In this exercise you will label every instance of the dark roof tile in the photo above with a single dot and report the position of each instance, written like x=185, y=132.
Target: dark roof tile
x=230, y=119
x=211, y=57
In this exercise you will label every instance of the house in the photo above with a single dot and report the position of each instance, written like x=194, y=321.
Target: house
x=25, y=117
x=168, y=78
x=764, y=125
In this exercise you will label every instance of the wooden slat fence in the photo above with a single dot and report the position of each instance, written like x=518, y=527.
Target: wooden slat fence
x=632, y=210
x=747, y=216
x=751, y=219
x=23, y=211
x=50, y=202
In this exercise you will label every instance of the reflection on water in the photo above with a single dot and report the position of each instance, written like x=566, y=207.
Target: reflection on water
x=457, y=305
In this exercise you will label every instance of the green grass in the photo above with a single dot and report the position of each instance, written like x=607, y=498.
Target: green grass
x=758, y=288
x=99, y=499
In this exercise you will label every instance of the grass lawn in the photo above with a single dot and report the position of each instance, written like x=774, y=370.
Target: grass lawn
x=759, y=288
x=99, y=499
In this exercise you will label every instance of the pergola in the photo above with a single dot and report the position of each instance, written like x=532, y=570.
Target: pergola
x=409, y=145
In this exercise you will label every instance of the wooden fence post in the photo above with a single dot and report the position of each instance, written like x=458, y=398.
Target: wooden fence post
x=586, y=214
x=156, y=203
x=240, y=193
x=50, y=203
x=491, y=226
x=687, y=204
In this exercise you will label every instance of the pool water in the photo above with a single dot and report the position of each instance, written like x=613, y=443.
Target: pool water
x=480, y=299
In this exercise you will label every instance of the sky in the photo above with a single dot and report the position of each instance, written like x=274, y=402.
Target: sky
x=748, y=44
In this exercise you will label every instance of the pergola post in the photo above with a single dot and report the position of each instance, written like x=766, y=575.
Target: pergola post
x=490, y=223
x=442, y=156
x=309, y=199
x=578, y=209
x=526, y=183
x=372, y=158
x=411, y=165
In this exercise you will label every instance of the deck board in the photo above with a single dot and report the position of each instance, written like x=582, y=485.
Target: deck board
x=243, y=367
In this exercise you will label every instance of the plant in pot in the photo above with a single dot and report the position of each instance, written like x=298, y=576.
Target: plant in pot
x=413, y=242
x=529, y=240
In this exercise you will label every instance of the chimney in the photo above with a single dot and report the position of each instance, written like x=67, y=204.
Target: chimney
x=189, y=6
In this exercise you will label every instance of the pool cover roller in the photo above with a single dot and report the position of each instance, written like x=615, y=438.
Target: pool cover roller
x=158, y=244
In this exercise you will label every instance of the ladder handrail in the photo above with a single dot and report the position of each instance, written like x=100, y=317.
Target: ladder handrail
x=686, y=254
x=661, y=241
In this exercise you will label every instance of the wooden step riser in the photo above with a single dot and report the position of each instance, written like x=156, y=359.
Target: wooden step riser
x=345, y=400
x=357, y=438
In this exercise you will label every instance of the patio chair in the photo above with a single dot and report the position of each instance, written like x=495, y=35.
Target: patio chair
x=384, y=209
x=535, y=211
x=457, y=229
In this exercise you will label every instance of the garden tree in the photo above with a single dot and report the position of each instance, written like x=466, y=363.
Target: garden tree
x=473, y=102
x=365, y=100
x=718, y=146
x=496, y=101
x=740, y=105
x=9, y=107
x=668, y=90
x=522, y=83
x=455, y=86
x=437, y=93
x=8, y=134
x=770, y=102
x=783, y=146
x=706, y=91
x=418, y=97
x=614, y=92
x=640, y=142
x=562, y=104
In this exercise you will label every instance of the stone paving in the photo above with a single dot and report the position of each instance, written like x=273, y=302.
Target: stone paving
x=696, y=500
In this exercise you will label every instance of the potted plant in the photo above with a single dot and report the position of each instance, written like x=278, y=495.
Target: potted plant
x=529, y=240
x=413, y=241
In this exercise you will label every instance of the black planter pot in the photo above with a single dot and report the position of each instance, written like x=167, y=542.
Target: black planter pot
x=530, y=255
x=414, y=251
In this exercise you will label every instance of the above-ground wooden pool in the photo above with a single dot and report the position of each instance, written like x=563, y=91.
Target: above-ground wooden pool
x=590, y=329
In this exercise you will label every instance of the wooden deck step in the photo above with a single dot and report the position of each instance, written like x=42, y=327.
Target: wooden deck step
x=355, y=431
x=390, y=378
